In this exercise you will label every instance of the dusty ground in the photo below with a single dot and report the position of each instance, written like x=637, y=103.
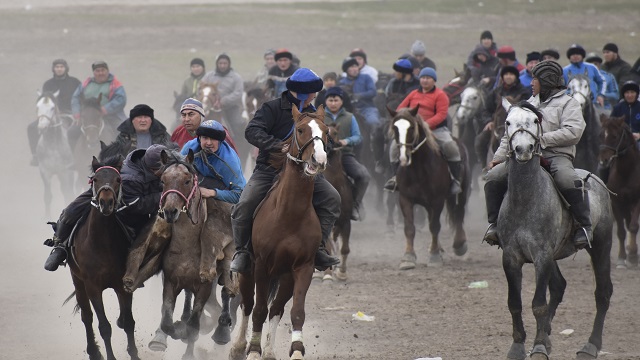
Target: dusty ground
x=426, y=312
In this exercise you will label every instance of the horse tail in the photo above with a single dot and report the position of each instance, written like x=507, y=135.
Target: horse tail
x=274, y=284
x=76, y=308
x=457, y=204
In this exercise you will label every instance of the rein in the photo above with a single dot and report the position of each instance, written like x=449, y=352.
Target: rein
x=107, y=186
x=187, y=199
x=298, y=159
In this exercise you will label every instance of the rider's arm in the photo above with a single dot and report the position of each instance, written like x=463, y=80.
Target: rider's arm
x=75, y=101
x=441, y=110
x=356, y=137
x=231, y=173
x=257, y=131
x=571, y=127
x=117, y=102
x=370, y=88
x=146, y=204
x=236, y=94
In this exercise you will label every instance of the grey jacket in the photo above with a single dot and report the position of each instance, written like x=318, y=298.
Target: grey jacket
x=562, y=125
x=230, y=87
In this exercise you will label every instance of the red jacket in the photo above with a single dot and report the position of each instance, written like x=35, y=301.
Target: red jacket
x=434, y=106
x=180, y=136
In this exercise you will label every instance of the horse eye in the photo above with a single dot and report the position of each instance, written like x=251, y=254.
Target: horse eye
x=299, y=131
x=508, y=123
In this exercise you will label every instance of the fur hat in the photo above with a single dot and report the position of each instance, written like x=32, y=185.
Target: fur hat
x=192, y=104
x=151, y=158
x=418, y=48
x=610, y=47
x=99, y=64
x=576, y=49
x=486, y=35
x=282, y=53
x=593, y=57
x=534, y=55
x=358, y=52
x=348, y=62
x=403, y=66
x=549, y=73
x=629, y=85
x=335, y=91
x=430, y=72
x=510, y=69
x=212, y=129
x=197, y=61
x=304, y=82
x=550, y=52
x=507, y=52
x=140, y=110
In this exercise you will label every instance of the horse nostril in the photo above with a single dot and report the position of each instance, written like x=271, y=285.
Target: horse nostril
x=531, y=147
x=518, y=149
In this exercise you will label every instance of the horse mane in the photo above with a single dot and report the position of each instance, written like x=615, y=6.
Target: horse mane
x=114, y=161
x=524, y=104
x=405, y=113
x=113, y=149
x=277, y=158
x=91, y=103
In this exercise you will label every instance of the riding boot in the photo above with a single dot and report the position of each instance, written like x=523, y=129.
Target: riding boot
x=322, y=259
x=603, y=173
x=59, y=253
x=358, y=212
x=241, y=262
x=391, y=184
x=455, y=168
x=494, y=193
x=579, y=207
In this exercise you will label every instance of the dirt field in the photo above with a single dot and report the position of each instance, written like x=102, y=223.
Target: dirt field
x=426, y=312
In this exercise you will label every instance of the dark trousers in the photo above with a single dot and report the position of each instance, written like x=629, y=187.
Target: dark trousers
x=72, y=214
x=359, y=174
x=33, y=135
x=481, y=145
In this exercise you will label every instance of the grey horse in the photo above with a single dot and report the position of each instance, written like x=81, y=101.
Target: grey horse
x=535, y=227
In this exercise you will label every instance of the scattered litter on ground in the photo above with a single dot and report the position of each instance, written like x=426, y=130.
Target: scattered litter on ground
x=360, y=316
x=334, y=308
x=566, y=332
x=430, y=358
x=478, y=285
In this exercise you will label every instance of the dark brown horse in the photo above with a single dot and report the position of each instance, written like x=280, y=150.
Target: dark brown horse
x=619, y=154
x=286, y=235
x=336, y=176
x=98, y=257
x=456, y=86
x=423, y=179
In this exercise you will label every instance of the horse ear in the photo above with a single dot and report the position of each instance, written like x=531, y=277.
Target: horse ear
x=102, y=146
x=190, y=157
x=164, y=157
x=392, y=112
x=95, y=164
x=295, y=112
x=506, y=104
x=55, y=94
x=414, y=111
x=39, y=93
x=320, y=112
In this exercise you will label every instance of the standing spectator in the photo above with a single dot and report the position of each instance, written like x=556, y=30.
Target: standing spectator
x=279, y=74
x=577, y=67
x=362, y=89
x=66, y=85
x=486, y=42
x=613, y=64
x=533, y=58
x=611, y=92
x=361, y=58
x=113, y=99
x=418, y=51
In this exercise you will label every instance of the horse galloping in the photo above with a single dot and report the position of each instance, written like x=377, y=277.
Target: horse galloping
x=286, y=235
x=53, y=151
x=535, y=227
x=97, y=260
x=587, y=149
x=423, y=179
x=620, y=157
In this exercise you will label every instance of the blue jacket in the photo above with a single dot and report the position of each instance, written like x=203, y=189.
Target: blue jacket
x=526, y=78
x=225, y=166
x=596, y=81
x=363, y=90
x=611, y=92
x=355, y=138
x=631, y=113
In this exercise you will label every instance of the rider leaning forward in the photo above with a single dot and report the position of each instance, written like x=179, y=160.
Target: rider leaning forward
x=562, y=126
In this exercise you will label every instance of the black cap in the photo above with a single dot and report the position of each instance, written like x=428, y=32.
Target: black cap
x=197, y=61
x=486, y=35
x=140, y=110
x=611, y=47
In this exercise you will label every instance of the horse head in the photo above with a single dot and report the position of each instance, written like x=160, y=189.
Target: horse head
x=210, y=98
x=105, y=184
x=580, y=89
x=180, y=186
x=91, y=122
x=309, y=129
x=615, y=139
x=409, y=132
x=46, y=109
x=472, y=100
x=523, y=129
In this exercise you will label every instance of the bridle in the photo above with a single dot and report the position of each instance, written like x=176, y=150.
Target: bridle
x=536, y=136
x=208, y=98
x=298, y=159
x=616, y=150
x=416, y=144
x=52, y=119
x=107, y=186
x=187, y=199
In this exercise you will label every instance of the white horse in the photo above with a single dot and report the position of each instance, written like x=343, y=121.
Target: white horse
x=580, y=89
x=53, y=151
x=588, y=148
x=465, y=128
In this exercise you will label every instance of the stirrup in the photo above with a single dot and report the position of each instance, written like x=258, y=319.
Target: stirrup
x=391, y=185
x=581, y=244
x=491, y=241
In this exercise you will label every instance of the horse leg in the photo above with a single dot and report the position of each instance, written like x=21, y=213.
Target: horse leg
x=47, y=194
x=632, y=245
x=260, y=309
x=409, y=259
x=301, y=282
x=126, y=322
x=621, y=233
x=513, y=272
x=435, y=250
x=169, y=295
x=95, y=296
x=601, y=263
x=93, y=350
x=146, y=252
x=239, y=347
x=222, y=335
x=392, y=199
x=201, y=296
x=543, y=269
x=557, y=286
x=285, y=292
x=345, y=234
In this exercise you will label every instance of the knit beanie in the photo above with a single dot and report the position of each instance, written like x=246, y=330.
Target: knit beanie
x=418, y=48
x=192, y=104
x=629, y=85
x=212, y=129
x=335, y=91
x=197, y=61
x=510, y=69
x=430, y=72
x=304, y=82
x=534, y=55
x=593, y=58
x=152, y=159
x=610, y=47
x=403, y=66
x=549, y=73
x=348, y=62
x=550, y=52
x=140, y=110
x=486, y=35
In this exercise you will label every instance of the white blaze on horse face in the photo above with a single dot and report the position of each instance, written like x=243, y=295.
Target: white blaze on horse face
x=46, y=110
x=521, y=141
x=318, y=146
x=469, y=104
x=403, y=126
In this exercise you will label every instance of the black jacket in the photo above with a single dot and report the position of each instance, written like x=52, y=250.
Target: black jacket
x=67, y=86
x=127, y=137
x=139, y=183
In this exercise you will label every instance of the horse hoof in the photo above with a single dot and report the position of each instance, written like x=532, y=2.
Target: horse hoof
x=222, y=335
x=96, y=356
x=621, y=264
x=340, y=275
x=632, y=260
x=297, y=355
x=460, y=251
x=253, y=356
x=436, y=260
x=588, y=351
x=327, y=279
x=516, y=352
x=539, y=352
x=155, y=345
x=407, y=265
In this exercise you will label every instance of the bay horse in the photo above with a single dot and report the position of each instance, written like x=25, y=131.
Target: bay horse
x=619, y=154
x=341, y=234
x=587, y=149
x=286, y=235
x=423, y=179
x=535, y=227
x=52, y=150
x=97, y=259
x=193, y=251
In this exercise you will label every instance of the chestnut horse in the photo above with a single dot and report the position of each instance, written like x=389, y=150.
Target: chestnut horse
x=620, y=156
x=423, y=179
x=97, y=259
x=286, y=235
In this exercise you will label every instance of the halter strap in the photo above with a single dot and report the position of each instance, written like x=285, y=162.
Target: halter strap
x=616, y=151
x=298, y=159
x=536, y=137
x=106, y=186
x=187, y=199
